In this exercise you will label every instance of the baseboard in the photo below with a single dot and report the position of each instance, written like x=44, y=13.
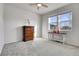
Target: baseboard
x=11, y=42
x=1, y=47
x=71, y=45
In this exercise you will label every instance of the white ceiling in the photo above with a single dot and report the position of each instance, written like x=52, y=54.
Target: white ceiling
x=51, y=6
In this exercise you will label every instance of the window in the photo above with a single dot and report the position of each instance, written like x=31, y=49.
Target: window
x=52, y=22
x=62, y=21
x=65, y=21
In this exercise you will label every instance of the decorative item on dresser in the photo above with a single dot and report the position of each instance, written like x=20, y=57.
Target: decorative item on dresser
x=28, y=33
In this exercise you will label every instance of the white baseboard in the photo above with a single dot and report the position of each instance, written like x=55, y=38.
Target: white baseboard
x=72, y=45
x=1, y=47
x=11, y=41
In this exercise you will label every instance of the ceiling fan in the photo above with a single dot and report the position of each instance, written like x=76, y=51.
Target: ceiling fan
x=39, y=5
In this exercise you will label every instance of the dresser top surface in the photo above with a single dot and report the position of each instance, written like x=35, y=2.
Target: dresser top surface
x=28, y=26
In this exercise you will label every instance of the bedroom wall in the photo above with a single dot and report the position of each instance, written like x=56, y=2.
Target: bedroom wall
x=72, y=36
x=14, y=20
x=1, y=28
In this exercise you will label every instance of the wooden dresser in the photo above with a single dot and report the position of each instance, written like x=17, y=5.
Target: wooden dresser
x=28, y=33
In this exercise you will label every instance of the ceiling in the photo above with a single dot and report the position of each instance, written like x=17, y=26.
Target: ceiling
x=51, y=6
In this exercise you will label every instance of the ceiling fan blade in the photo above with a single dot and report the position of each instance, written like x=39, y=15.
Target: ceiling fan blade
x=44, y=5
x=34, y=4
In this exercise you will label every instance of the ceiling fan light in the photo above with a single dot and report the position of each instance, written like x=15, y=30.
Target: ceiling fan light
x=39, y=5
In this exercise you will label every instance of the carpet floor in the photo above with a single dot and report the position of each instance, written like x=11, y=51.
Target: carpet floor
x=39, y=47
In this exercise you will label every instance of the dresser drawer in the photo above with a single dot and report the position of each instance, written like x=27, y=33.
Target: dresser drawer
x=29, y=32
x=28, y=35
x=29, y=29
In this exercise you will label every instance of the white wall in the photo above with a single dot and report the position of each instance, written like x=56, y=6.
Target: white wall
x=72, y=36
x=1, y=28
x=14, y=20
